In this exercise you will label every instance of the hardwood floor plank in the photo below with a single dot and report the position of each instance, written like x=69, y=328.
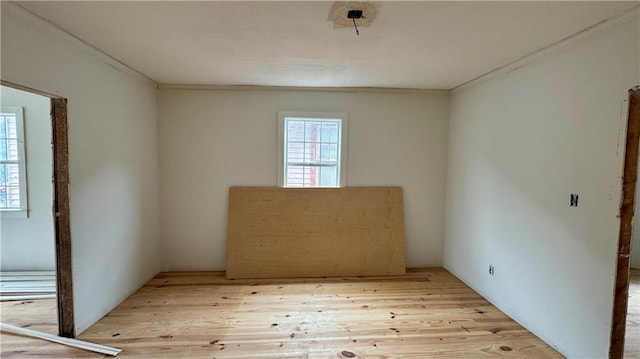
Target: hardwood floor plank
x=425, y=313
x=40, y=315
x=632, y=332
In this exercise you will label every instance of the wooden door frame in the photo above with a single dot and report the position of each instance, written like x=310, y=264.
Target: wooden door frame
x=61, y=210
x=629, y=178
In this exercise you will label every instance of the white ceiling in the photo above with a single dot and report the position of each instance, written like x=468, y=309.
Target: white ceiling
x=429, y=45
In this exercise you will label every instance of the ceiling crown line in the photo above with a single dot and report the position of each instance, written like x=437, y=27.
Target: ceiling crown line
x=53, y=29
x=583, y=35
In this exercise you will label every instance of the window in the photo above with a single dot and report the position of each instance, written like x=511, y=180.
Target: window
x=13, y=190
x=312, y=149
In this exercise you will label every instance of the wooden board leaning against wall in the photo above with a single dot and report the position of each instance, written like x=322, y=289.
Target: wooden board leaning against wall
x=278, y=232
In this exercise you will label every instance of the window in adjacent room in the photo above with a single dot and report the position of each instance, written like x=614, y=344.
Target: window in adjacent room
x=312, y=149
x=13, y=190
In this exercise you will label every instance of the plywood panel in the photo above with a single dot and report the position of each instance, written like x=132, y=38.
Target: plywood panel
x=314, y=232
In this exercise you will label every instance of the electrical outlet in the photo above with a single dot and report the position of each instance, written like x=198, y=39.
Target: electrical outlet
x=491, y=269
x=573, y=201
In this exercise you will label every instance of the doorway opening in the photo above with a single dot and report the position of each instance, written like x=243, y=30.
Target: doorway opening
x=58, y=164
x=629, y=178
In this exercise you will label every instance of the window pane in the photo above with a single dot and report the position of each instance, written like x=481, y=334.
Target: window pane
x=13, y=197
x=3, y=125
x=10, y=170
x=312, y=176
x=12, y=175
x=295, y=131
x=12, y=150
x=3, y=149
x=329, y=176
x=312, y=131
x=8, y=138
x=3, y=138
x=3, y=175
x=295, y=152
x=330, y=132
x=311, y=152
x=295, y=176
x=329, y=152
x=9, y=186
x=12, y=127
x=308, y=176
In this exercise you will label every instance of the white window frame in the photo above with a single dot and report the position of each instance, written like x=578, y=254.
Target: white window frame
x=22, y=165
x=342, y=148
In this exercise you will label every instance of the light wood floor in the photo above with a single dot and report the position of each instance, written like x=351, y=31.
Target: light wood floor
x=40, y=315
x=426, y=313
x=632, y=334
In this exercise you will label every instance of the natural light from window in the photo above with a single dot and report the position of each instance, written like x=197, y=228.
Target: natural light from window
x=12, y=191
x=312, y=151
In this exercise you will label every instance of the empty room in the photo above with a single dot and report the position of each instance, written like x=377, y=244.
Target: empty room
x=321, y=179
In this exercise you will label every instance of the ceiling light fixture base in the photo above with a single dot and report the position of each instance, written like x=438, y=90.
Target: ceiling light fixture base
x=347, y=13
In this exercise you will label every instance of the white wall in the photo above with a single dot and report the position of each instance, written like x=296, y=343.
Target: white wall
x=213, y=139
x=112, y=158
x=29, y=243
x=519, y=144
